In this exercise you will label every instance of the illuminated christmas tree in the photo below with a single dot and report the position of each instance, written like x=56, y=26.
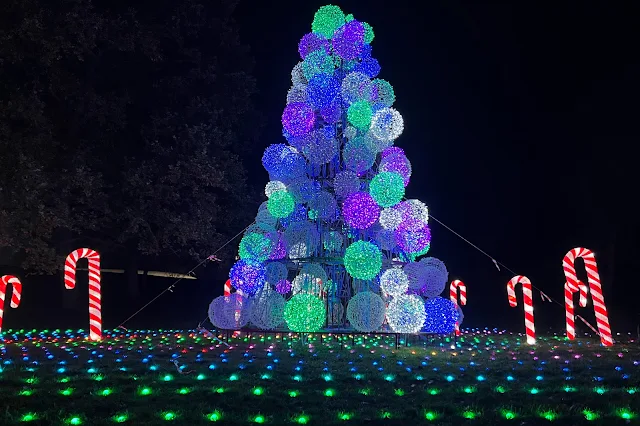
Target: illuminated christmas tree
x=336, y=244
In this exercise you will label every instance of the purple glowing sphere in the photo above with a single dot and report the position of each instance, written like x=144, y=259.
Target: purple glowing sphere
x=310, y=43
x=248, y=275
x=298, y=118
x=348, y=40
x=360, y=210
x=413, y=236
x=283, y=286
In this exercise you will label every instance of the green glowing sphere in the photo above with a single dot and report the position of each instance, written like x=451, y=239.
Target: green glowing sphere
x=387, y=188
x=368, y=33
x=363, y=260
x=327, y=20
x=359, y=114
x=281, y=204
x=255, y=246
x=304, y=312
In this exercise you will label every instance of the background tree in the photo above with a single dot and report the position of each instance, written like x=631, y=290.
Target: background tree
x=122, y=127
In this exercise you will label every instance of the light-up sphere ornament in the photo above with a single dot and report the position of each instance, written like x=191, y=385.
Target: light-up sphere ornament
x=368, y=33
x=360, y=210
x=297, y=93
x=325, y=205
x=357, y=156
x=356, y=86
x=435, y=277
x=311, y=42
x=363, y=260
x=275, y=271
x=298, y=118
x=304, y=313
x=322, y=90
x=390, y=219
x=230, y=312
x=323, y=149
x=413, y=236
x=273, y=186
x=441, y=316
x=280, y=249
x=297, y=75
x=368, y=66
x=256, y=246
x=348, y=40
x=366, y=311
x=346, y=183
x=413, y=209
x=359, y=115
x=274, y=156
x=248, y=275
x=394, y=281
x=281, y=204
x=406, y=314
x=397, y=163
x=283, y=286
x=327, y=20
x=387, y=124
x=386, y=239
x=387, y=188
x=317, y=62
x=385, y=94
x=267, y=309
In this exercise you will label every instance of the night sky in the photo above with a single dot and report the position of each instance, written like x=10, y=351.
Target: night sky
x=520, y=123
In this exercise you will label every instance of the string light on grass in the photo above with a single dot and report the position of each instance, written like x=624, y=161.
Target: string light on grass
x=293, y=394
x=184, y=391
x=590, y=415
x=431, y=415
x=508, y=414
x=470, y=415
x=259, y=419
x=29, y=417
x=214, y=417
x=257, y=391
x=329, y=393
x=433, y=391
x=548, y=415
x=105, y=392
x=75, y=420
x=66, y=392
x=120, y=418
x=625, y=414
x=168, y=416
x=302, y=419
x=145, y=391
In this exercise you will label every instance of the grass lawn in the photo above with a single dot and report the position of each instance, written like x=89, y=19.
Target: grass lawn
x=488, y=379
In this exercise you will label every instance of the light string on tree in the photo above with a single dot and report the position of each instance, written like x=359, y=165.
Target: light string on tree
x=95, y=304
x=595, y=289
x=528, y=304
x=16, y=295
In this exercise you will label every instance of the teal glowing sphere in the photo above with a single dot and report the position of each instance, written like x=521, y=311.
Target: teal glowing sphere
x=359, y=114
x=387, y=188
x=281, y=204
x=255, y=246
x=327, y=20
x=304, y=312
x=363, y=260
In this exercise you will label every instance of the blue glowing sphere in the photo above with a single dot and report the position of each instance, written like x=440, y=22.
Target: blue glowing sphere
x=248, y=275
x=442, y=315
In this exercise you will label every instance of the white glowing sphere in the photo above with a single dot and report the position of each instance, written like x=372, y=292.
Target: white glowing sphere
x=394, y=281
x=406, y=313
x=387, y=124
x=230, y=312
x=366, y=311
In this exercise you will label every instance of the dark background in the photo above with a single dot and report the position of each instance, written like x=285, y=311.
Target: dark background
x=521, y=125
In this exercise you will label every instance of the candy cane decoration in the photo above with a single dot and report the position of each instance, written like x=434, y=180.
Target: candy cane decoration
x=227, y=289
x=528, y=304
x=95, y=306
x=455, y=287
x=15, y=296
x=569, y=289
x=602, y=318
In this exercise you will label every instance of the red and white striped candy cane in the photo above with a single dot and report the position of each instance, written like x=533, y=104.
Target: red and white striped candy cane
x=95, y=306
x=15, y=296
x=455, y=287
x=528, y=304
x=602, y=318
x=227, y=289
x=568, y=306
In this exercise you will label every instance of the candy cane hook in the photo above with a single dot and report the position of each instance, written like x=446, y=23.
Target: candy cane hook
x=528, y=304
x=95, y=306
x=602, y=318
x=15, y=296
x=455, y=287
x=569, y=289
x=227, y=289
